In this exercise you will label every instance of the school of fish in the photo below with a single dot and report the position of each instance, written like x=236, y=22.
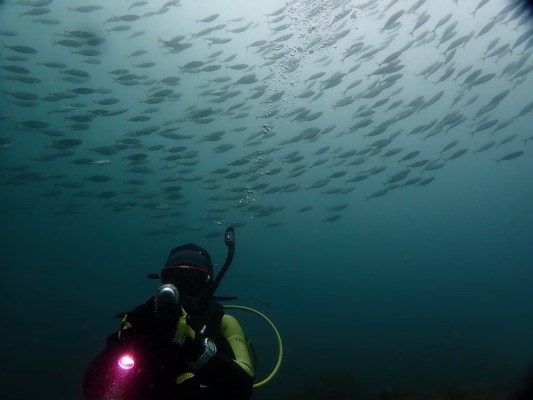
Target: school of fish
x=223, y=119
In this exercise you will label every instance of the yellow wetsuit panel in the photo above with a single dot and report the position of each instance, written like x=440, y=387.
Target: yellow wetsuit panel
x=232, y=331
x=123, y=326
x=183, y=330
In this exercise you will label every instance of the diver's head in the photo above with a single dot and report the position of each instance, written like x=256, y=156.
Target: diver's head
x=189, y=269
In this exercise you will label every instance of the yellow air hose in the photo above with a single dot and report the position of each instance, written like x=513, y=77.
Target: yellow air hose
x=278, y=336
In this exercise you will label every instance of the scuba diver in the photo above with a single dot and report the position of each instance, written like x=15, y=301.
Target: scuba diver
x=179, y=344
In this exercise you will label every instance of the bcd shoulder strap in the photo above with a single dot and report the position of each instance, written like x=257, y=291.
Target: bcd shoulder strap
x=211, y=317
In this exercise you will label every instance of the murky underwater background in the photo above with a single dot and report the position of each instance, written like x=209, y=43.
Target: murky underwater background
x=374, y=157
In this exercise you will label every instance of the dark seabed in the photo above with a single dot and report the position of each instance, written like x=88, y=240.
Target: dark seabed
x=375, y=158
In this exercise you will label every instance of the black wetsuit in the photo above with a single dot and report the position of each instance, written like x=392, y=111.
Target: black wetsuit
x=162, y=370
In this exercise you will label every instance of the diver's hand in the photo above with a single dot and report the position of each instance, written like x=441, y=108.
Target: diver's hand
x=192, y=348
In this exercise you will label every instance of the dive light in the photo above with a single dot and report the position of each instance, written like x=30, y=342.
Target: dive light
x=167, y=298
x=126, y=362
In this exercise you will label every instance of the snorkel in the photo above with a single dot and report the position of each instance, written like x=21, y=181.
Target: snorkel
x=229, y=241
x=212, y=286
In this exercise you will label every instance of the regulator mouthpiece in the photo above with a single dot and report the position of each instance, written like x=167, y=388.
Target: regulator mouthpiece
x=167, y=298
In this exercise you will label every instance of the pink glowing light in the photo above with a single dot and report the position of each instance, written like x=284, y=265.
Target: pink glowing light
x=126, y=362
